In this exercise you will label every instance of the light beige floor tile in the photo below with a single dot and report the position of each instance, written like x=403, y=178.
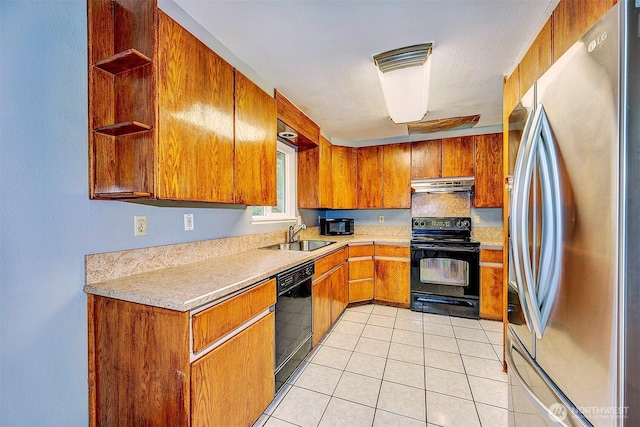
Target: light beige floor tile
x=435, y=318
x=402, y=400
x=467, y=323
x=380, y=320
x=366, y=308
x=377, y=332
x=470, y=334
x=348, y=327
x=443, y=360
x=278, y=398
x=414, y=325
x=498, y=349
x=358, y=388
x=342, y=413
x=355, y=316
x=477, y=349
x=438, y=329
x=484, y=368
x=319, y=378
x=340, y=340
x=495, y=338
x=365, y=364
x=447, y=382
x=302, y=407
x=274, y=422
x=405, y=313
x=437, y=342
x=406, y=353
x=407, y=337
x=404, y=373
x=372, y=346
x=388, y=419
x=449, y=411
x=332, y=357
x=385, y=310
x=491, y=325
x=261, y=421
x=491, y=392
x=491, y=416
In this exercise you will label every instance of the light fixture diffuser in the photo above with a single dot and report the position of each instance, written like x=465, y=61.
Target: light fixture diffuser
x=404, y=75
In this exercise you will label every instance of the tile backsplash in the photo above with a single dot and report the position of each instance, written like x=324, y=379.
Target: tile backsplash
x=445, y=204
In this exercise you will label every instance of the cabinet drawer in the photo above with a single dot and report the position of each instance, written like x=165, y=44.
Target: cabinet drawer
x=491, y=255
x=330, y=261
x=360, y=250
x=393, y=251
x=361, y=290
x=214, y=322
x=361, y=268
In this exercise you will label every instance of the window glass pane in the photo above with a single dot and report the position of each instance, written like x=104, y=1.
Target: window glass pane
x=258, y=211
x=281, y=167
x=444, y=271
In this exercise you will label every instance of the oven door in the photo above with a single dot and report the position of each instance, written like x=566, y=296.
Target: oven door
x=445, y=270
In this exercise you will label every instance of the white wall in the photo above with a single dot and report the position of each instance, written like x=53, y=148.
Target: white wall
x=47, y=222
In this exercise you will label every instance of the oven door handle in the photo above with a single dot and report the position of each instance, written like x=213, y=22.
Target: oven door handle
x=444, y=248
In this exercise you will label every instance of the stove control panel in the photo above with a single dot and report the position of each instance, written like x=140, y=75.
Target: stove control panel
x=442, y=223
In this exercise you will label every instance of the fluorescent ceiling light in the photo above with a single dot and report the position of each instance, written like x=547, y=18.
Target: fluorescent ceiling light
x=404, y=75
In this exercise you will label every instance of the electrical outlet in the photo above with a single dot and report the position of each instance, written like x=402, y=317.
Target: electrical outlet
x=188, y=222
x=140, y=225
x=476, y=219
x=381, y=219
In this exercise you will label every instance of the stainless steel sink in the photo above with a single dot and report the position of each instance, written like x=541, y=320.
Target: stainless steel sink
x=301, y=245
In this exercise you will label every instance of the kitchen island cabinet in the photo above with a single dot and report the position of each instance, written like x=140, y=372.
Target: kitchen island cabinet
x=148, y=366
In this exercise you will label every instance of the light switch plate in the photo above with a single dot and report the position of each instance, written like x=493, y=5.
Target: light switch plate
x=188, y=222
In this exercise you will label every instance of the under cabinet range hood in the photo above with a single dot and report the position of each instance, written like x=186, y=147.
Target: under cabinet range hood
x=458, y=184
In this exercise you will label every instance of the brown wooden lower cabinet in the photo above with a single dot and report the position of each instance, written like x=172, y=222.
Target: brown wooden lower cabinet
x=141, y=370
x=361, y=272
x=392, y=274
x=491, y=285
x=330, y=292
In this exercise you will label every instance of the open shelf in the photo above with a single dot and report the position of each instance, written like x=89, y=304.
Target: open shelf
x=124, y=195
x=123, y=61
x=123, y=128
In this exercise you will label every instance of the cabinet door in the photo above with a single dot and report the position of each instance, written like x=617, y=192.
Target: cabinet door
x=195, y=123
x=233, y=384
x=489, y=171
x=321, y=300
x=537, y=60
x=457, y=156
x=491, y=291
x=339, y=291
x=256, y=141
x=396, y=183
x=314, y=176
x=343, y=161
x=426, y=159
x=392, y=281
x=369, y=176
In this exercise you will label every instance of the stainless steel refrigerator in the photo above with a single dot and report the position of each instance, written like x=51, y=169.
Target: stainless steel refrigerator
x=572, y=340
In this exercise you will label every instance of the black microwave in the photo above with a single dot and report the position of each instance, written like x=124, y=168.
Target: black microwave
x=336, y=226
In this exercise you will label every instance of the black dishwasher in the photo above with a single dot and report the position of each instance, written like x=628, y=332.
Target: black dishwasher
x=293, y=320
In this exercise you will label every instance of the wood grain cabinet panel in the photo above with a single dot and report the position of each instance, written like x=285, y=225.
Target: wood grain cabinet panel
x=321, y=301
x=511, y=93
x=489, y=178
x=361, y=272
x=537, y=60
x=392, y=281
x=491, y=284
x=396, y=169
x=256, y=142
x=327, y=262
x=344, y=177
x=233, y=384
x=361, y=268
x=361, y=290
x=330, y=292
x=360, y=250
x=369, y=177
x=339, y=291
x=289, y=114
x=393, y=251
x=195, y=126
x=426, y=159
x=458, y=156
x=315, y=183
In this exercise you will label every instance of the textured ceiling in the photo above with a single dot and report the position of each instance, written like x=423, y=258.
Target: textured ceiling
x=319, y=53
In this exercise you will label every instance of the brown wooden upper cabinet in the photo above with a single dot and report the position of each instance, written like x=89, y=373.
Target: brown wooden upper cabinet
x=255, y=149
x=489, y=173
x=315, y=184
x=344, y=177
x=291, y=116
x=458, y=156
x=167, y=118
x=369, y=177
x=396, y=180
x=426, y=159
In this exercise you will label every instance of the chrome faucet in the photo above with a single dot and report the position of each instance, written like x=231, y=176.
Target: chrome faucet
x=293, y=233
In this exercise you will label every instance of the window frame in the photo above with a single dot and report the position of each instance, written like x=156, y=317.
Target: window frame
x=291, y=190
